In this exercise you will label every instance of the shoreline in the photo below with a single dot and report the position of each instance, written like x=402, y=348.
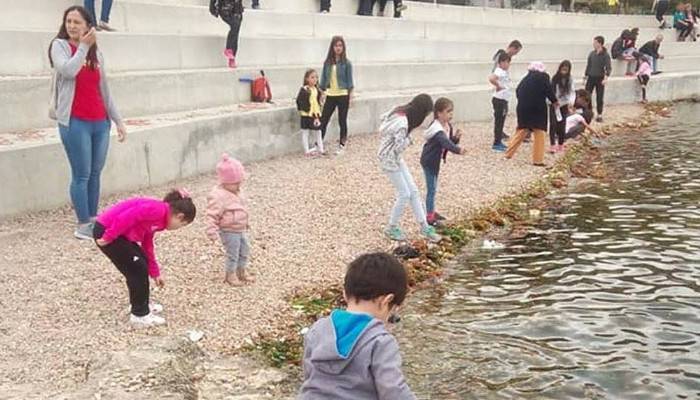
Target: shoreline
x=302, y=239
x=429, y=265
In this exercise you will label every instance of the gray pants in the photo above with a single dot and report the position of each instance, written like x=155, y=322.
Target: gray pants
x=406, y=192
x=237, y=250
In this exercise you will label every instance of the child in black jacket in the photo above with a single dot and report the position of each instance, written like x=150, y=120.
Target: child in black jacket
x=439, y=140
x=309, y=106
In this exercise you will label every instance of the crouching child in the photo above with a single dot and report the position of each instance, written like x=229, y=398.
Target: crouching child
x=350, y=354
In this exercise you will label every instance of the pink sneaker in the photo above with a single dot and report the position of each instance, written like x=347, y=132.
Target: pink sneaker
x=560, y=148
x=552, y=149
x=228, y=53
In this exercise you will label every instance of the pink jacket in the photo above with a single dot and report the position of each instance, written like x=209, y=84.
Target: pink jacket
x=644, y=69
x=137, y=220
x=225, y=212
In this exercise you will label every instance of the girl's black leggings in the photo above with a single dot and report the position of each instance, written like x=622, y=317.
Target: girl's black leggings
x=557, y=129
x=234, y=22
x=130, y=260
x=342, y=103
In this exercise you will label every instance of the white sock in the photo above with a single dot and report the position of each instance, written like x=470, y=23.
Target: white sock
x=319, y=141
x=305, y=140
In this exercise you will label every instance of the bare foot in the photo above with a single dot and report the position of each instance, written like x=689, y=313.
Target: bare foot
x=244, y=278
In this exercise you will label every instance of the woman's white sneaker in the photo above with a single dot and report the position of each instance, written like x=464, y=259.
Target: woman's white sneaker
x=146, y=321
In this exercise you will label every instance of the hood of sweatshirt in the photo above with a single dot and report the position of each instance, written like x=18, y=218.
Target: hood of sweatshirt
x=434, y=128
x=337, y=340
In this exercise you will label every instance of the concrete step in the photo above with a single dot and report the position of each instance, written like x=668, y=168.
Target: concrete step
x=137, y=17
x=142, y=93
x=45, y=14
x=24, y=53
x=167, y=147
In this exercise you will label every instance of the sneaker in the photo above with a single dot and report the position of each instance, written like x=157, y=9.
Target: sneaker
x=341, y=150
x=255, y=6
x=429, y=233
x=431, y=218
x=154, y=307
x=560, y=148
x=599, y=118
x=402, y=7
x=656, y=72
x=228, y=54
x=552, y=149
x=500, y=148
x=324, y=11
x=394, y=233
x=103, y=26
x=84, y=231
x=146, y=321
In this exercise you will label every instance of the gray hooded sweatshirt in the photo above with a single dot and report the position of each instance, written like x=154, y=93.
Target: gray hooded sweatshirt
x=351, y=356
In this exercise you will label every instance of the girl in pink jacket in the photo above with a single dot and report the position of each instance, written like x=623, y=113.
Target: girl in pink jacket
x=227, y=219
x=643, y=75
x=124, y=233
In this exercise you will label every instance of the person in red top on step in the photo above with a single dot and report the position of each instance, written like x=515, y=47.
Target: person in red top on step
x=83, y=108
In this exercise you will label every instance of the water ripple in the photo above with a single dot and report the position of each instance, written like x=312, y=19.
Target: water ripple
x=600, y=300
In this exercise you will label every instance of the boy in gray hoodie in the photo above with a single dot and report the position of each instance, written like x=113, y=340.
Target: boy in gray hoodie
x=350, y=354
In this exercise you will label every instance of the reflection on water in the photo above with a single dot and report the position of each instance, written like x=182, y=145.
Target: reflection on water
x=600, y=300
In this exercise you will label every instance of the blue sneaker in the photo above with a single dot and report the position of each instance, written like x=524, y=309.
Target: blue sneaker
x=500, y=148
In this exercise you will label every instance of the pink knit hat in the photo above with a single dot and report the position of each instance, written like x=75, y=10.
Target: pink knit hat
x=230, y=170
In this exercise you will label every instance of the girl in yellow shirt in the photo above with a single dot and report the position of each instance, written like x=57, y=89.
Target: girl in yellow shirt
x=309, y=106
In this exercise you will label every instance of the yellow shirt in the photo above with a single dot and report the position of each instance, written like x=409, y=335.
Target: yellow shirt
x=335, y=90
x=315, y=109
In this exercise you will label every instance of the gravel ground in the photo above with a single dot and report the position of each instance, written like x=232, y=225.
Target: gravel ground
x=64, y=304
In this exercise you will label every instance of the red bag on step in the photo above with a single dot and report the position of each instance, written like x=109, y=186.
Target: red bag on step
x=260, y=89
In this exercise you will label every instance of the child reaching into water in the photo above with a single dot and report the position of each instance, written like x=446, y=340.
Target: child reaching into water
x=350, y=354
x=227, y=219
x=643, y=75
x=439, y=139
x=395, y=130
x=576, y=125
x=124, y=233
x=309, y=106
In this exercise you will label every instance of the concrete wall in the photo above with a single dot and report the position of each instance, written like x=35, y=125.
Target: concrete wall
x=156, y=155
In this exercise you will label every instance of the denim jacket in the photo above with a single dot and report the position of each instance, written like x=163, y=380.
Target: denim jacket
x=344, y=70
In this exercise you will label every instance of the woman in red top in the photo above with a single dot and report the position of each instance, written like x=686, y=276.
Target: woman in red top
x=83, y=110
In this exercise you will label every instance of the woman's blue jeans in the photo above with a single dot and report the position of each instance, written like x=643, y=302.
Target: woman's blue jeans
x=86, y=144
x=106, y=9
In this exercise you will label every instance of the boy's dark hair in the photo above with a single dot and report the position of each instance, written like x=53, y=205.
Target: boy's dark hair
x=376, y=274
x=442, y=104
x=600, y=40
x=503, y=57
x=181, y=204
x=516, y=44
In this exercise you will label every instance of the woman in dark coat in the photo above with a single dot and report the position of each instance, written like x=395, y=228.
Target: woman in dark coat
x=532, y=93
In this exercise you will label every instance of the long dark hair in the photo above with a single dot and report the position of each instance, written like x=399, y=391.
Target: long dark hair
x=416, y=110
x=563, y=82
x=330, y=58
x=63, y=34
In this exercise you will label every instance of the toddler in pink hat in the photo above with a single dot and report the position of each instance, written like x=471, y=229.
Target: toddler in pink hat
x=227, y=219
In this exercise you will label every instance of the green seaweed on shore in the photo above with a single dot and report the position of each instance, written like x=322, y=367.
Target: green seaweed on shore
x=285, y=347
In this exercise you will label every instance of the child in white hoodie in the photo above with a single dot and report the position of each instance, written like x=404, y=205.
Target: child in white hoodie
x=439, y=139
x=395, y=130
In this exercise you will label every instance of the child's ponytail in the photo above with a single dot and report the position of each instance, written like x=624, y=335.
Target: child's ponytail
x=180, y=202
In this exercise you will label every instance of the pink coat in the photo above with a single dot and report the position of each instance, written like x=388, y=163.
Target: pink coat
x=644, y=69
x=137, y=220
x=225, y=212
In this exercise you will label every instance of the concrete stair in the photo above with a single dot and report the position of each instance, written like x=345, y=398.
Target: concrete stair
x=165, y=69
